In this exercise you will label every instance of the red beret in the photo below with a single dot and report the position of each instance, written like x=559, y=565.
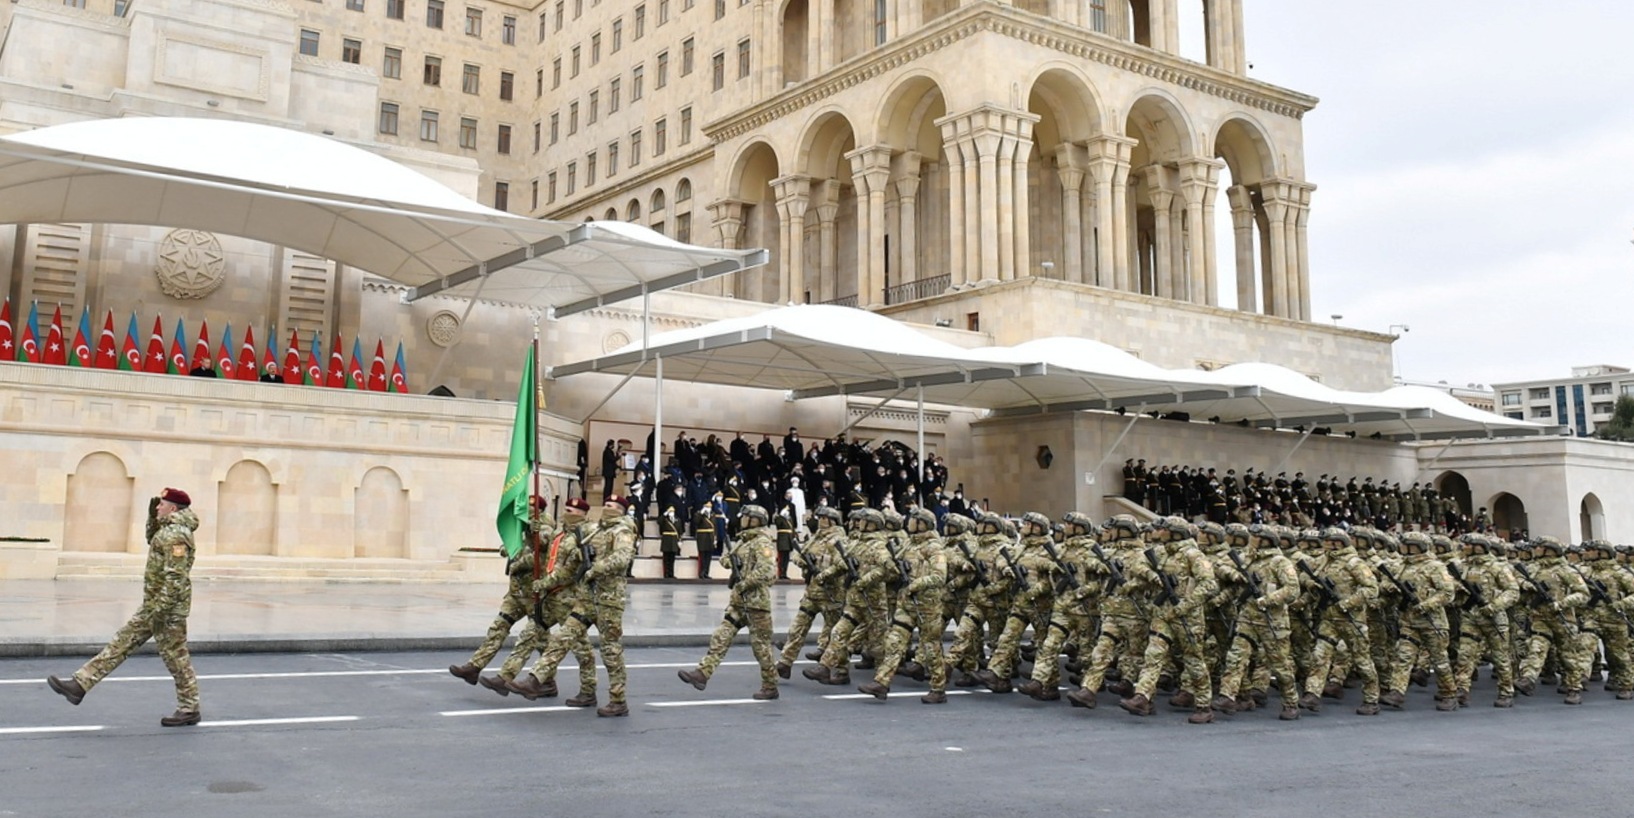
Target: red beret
x=578, y=504
x=176, y=496
x=623, y=502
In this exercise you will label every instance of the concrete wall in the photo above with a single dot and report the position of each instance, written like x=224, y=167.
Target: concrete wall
x=1551, y=477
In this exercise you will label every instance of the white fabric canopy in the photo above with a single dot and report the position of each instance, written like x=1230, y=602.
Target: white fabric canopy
x=327, y=198
x=813, y=351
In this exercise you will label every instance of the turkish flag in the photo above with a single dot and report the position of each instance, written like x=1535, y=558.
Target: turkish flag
x=337, y=367
x=246, y=356
x=201, y=348
x=107, y=350
x=292, y=360
x=56, y=349
x=154, y=360
x=377, y=372
x=8, y=347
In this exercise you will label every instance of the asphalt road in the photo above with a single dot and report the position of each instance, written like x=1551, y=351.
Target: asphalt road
x=394, y=734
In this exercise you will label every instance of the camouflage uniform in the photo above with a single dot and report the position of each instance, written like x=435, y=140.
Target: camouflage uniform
x=825, y=589
x=752, y=556
x=554, y=607
x=918, y=607
x=1556, y=596
x=522, y=570
x=1125, y=610
x=1262, y=631
x=1426, y=591
x=600, y=603
x=1607, y=616
x=1076, y=606
x=167, y=599
x=1179, y=624
x=1034, y=598
x=1342, y=622
x=1486, y=627
x=863, y=600
x=982, y=620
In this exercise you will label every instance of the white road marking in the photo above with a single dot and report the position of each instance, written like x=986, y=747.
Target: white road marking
x=897, y=695
x=259, y=722
x=13, y=731
x=706, y=702
x=317, y=674
x=507, y=711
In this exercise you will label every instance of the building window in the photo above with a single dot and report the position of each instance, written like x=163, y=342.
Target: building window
x=1512, y=399
x=1602, y=408
x=618, y=34
x=881, y=14
x=1600, y=389
x=1540, y=394
x=555, y=127
x=394, y=9
x=683, y=228
x=504, y=139
x=663, y=11
x=120, y=7
x=434, y=13
x=575, y=70
x=1515, y=415
x=536, y=129
x=543, y=16
x=473, y=22
x=555, y=73
x=392, y=67
x=595, y=48
x=635, y=148
x=640, y=21
x=351, y=51
x=471, y=79
x=1628, y=389
x=636, y=77
x=309, y=42
x=612, y=96
x=507, y=30
x=1097, y=15
x=683, y=191
x=660, y=135
x=539, y=83
x=561, y=8
x=720, y=9
x=550, y=188
x=717, y=70
x=388, y=118
x=535, y=187
x=572, y=118
x=507, y=85
x=686, y=56
x=686, y=5
x=595, y=108
x=502, y=196
x=434, y=71
x=743, y=59
x=589, y=169
x=1543, y=411
x=578, y=9
x=428, y=126
x=633, y=212
x=662, y=71
x=686, y=125
x=572, y=177
x=354, y=5
x=468, y=133
x=612, y=159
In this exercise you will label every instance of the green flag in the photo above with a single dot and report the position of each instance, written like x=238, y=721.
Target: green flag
x=513, y=498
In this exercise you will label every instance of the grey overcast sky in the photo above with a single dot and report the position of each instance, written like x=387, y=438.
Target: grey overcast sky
x=1475, y=173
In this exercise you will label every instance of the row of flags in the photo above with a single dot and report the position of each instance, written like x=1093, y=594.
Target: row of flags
x=247, y=366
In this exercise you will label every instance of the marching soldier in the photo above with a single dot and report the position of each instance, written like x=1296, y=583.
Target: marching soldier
x=918, y=607
x=752, y=556
x=1489, y=592
x=1348, y=586
x=983, y=618
x=1125, y=609
x=1555, y=592
x=825, y=588
x=1187, y=578
x=1076, y=606
x=1262, y=628
x=546, y=610
x=1034, y=597
x=863, y=600
x=1425, y=589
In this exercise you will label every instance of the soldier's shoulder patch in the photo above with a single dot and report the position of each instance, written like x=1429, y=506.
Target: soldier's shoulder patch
x=178, y=550
x=766, y=551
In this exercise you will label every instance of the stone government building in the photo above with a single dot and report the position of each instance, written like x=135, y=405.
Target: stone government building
x=1002, y=171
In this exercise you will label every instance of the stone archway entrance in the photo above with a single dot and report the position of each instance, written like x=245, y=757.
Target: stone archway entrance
x=1509, y=516
x=1592, y=517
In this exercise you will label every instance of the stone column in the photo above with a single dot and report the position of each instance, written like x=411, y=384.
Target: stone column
x=953, y=158
x=726, y=216
x=1164, y=24
x=987, y=139
x=828, y=239
x=814, y=36
x=1022, y=138
x=793, y=195
x=1005, y=215
x=1109, y=163
x=1069, y=167
x=1162, y=197
x=906, y=178
x=1303, y=252
x=1117, y=19
x=1199, y=182
x=870, y=173
x=826, y=46
x=1180, y=229
x=1242, y=223
x=1274, y=200
x=1239, y=51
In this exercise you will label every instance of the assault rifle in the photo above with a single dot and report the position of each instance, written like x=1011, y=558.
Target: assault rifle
x=1016, y=568
x=1476, y=598
x=1409, y=598
x=1330, y=596
x=1115, y=575
x=1168, y=595
x=850, y=562
x=737, y=569
x=1600, y=595
x=902, y=570
x=1254, y=590
x=981, y=570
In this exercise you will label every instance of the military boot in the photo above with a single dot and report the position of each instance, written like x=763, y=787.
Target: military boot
x=963, y=679
x=765, y=693
x=1122, y=688
x=497, y=684
x=814, y=655
x=1034, y=689
x=180, y=718
x=875, y=689
x=1625, y=695
x=70, y=688
x=1504, y=701
x=818, y=674
x=1368, y=709
x=1258, y=696
x=1165, y=683
x=865, y=663
x=586, y=699
x=613, y=709
x=1201, y=716
x=1183, y=700
x=694, y=677
x=1082, y=697
x=469, y=672
x=784, y=670
x=1574, y=697
x=530, y=687
x=1137, y=704
x=1526, y=686
x=1393, y=698
x=1446, y=704
x=992, y=682
x=1311, y=702
x=1289, y=712
x=1420, y=677
x=1333, y=690
x=1225, y=704
x=914, y=671
x=934, y=697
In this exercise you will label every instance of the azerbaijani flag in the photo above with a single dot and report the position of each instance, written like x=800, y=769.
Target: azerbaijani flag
x=398, y=382
x=355, y=379
x=314, y=363
x=29, y=350
x=178, y=352
x=130, y=358
x=513, y=495
x=81, y=356
x=224, y=354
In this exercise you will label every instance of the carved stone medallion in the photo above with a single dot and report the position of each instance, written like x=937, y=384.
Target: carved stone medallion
x=191, y=264
x=444, y=329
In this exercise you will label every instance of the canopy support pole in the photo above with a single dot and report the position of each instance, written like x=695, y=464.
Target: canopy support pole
x=920, y=435
x=1430, y=466
x=1114, y=447
x=443, y=358
x=1290, y=454
x=597, y=408
x=878, y=406
x=657, y=419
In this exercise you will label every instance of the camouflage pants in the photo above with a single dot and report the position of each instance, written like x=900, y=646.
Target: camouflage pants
x=846, y=636
x=1262, y=639
x=536, y=637
x=1610, y=630
x=1489, y=635
x=812, y=605
x=1172, y=630
x=1382, y=620
x=609, y=624
x=1341, y=635
x=1557, y=630
x=979, y=626
x=924, y=615
x=1122, y=642
x=512, y=609
x=759, y=623
x=1068, y=622
x=170, y=632
x=1426, y=637
x=1024, y=613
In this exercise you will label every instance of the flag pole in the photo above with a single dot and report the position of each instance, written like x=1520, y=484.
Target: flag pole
x=534, y=400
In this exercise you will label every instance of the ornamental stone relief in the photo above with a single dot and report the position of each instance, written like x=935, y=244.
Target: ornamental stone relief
x=191, y=264
x=444, y=329
x=614, y=340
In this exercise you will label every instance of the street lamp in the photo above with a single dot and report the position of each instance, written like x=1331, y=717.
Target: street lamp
x=1394, y=373
x=1336, y=318
x=1049, y=267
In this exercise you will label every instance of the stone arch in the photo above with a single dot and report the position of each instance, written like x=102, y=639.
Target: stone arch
x=907, y=116
x=746, y=216
x=1157, y=218
x=1243, y=144
x=828, y=258
x=247, y=511
x=611, y=215
x=1509, y=515
x=380, y=516
x=1592, y=517
x=656, y=204
x=794, y=37
x=632, y=211
x=97, y=516
x=1063, y=229
x=753, y=168
x=1159, y=122
x=1455, y=494
x=683, y=191
x=827, y=137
